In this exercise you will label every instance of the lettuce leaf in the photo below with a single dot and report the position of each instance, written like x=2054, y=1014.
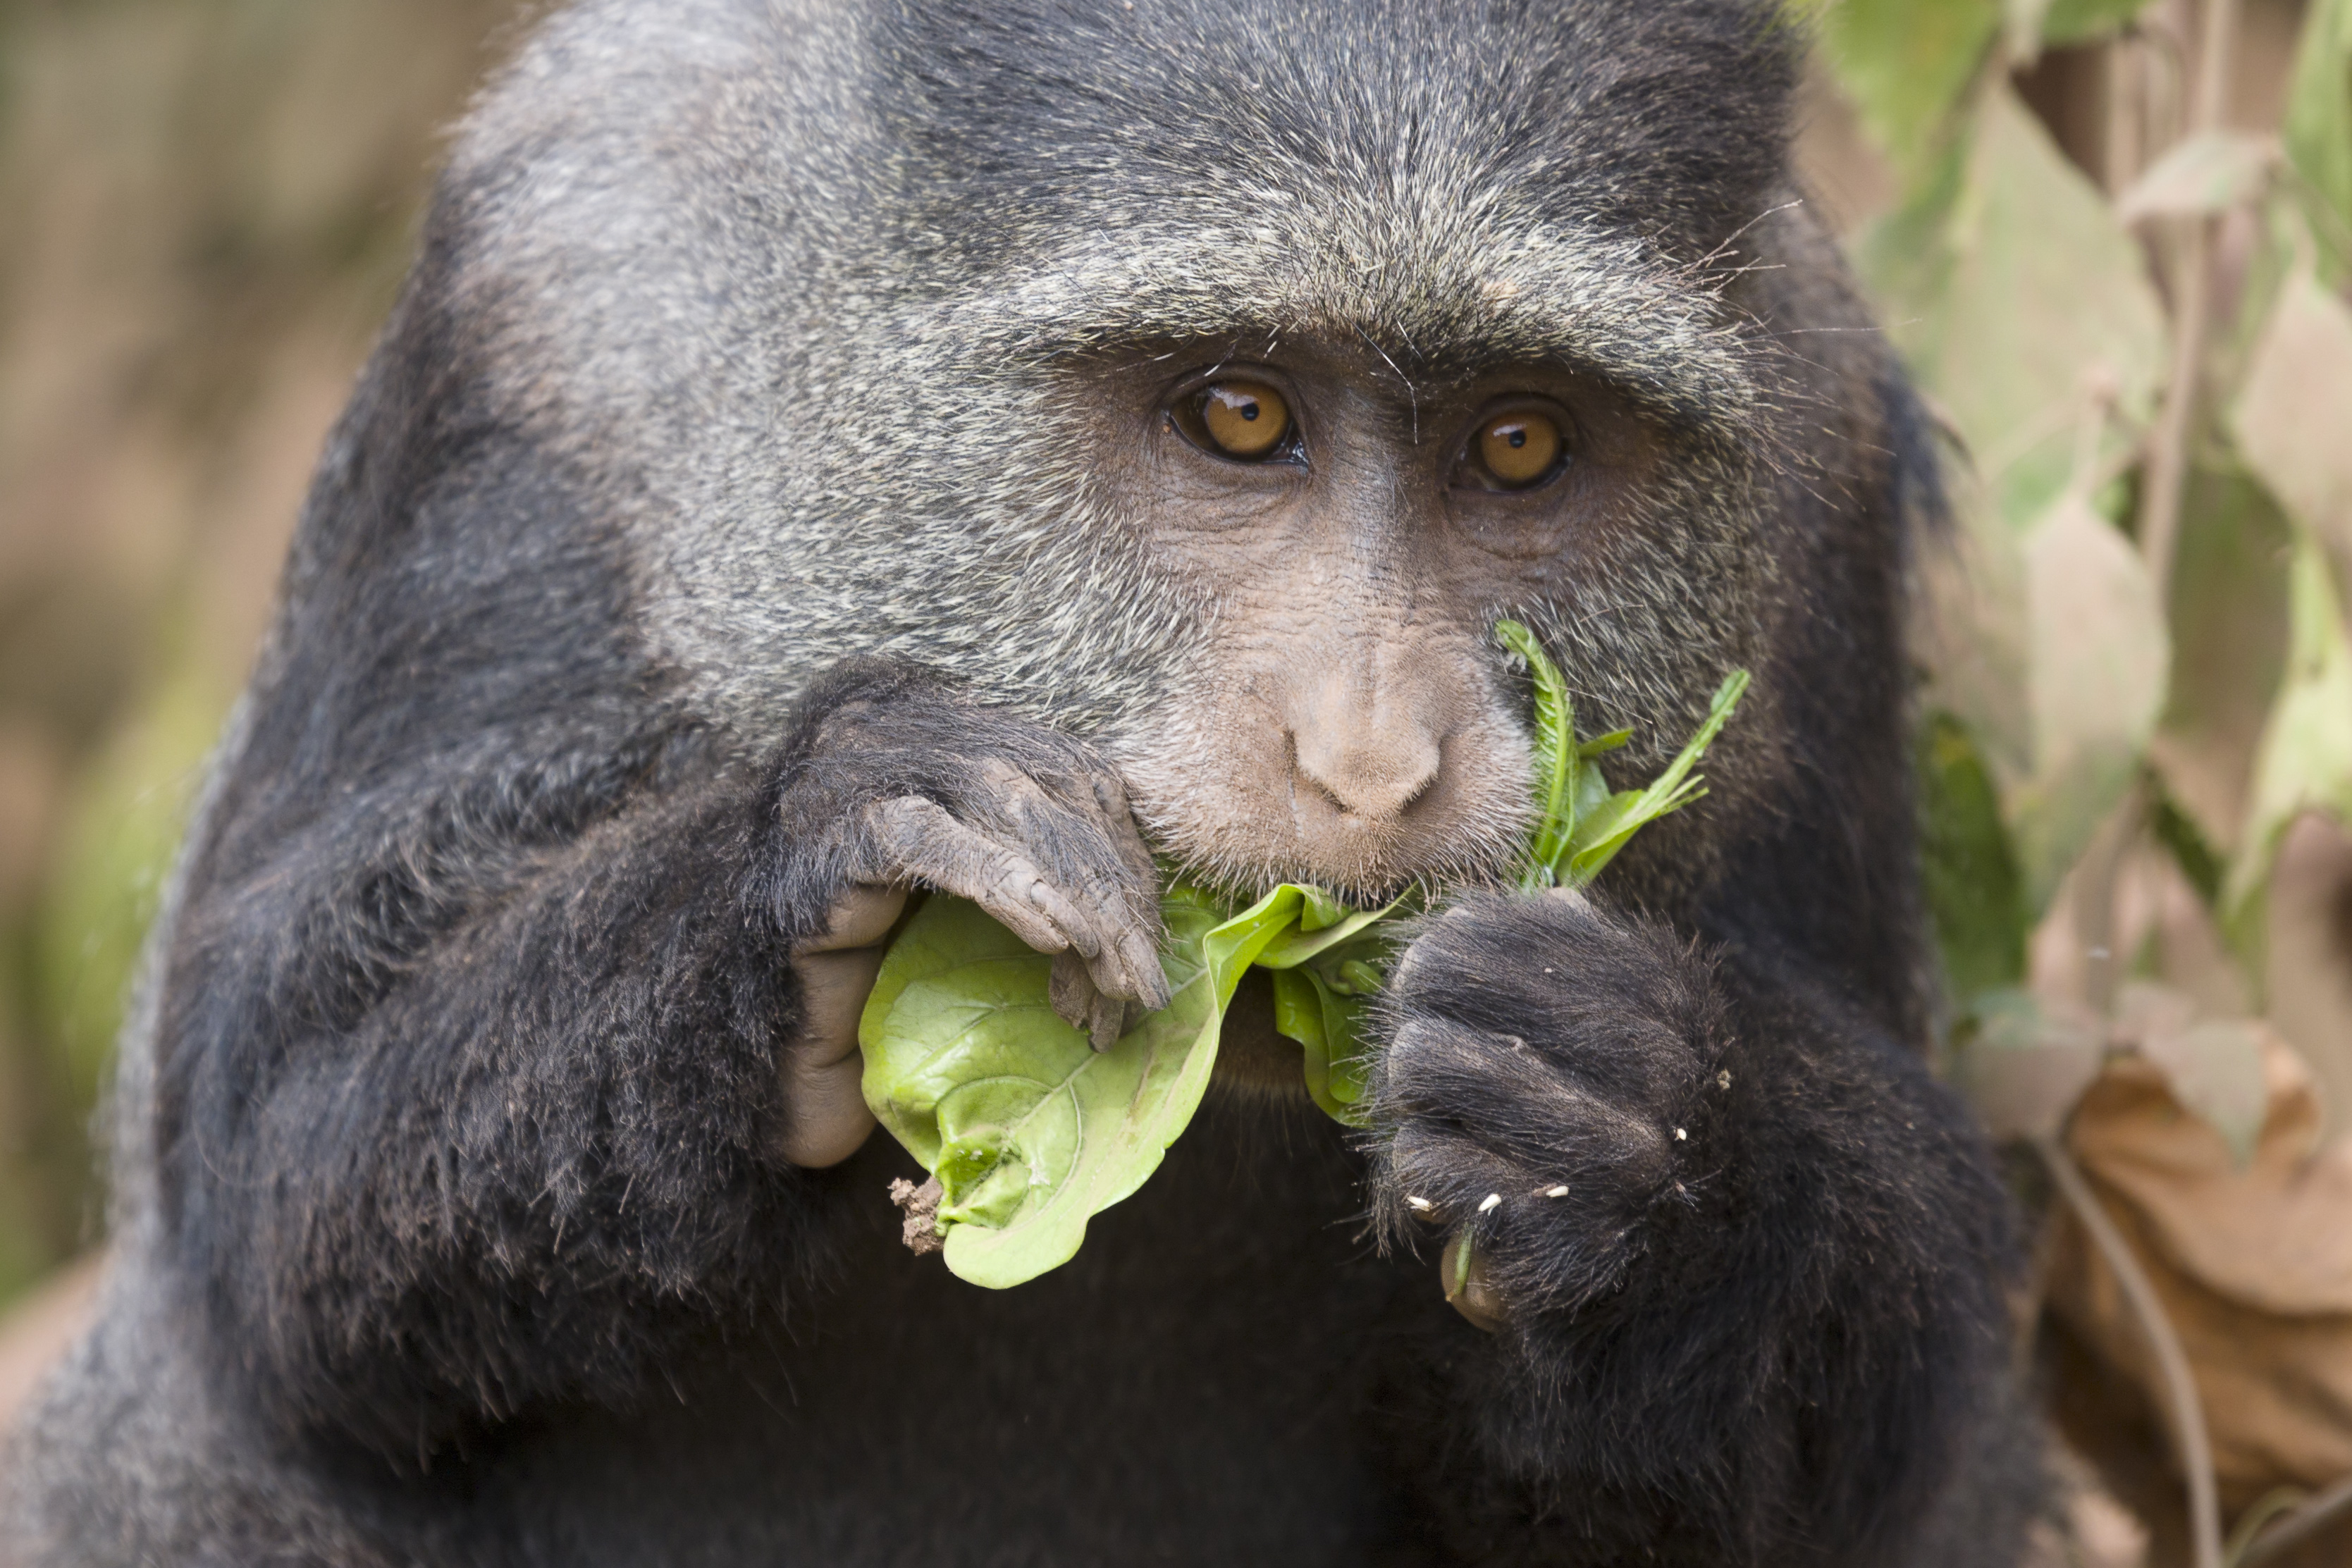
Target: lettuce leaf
x=1031, y=1133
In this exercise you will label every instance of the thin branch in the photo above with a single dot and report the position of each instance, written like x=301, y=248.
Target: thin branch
x=2299, y=1524
x=2098, y=874
x=2192, y=305
x=2187, y=1415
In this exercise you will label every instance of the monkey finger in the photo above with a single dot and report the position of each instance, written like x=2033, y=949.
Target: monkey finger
x=1138, y=948
x=920, y=842
x=860, y=917
x=1127, y=835
x=834, y=989
x=826, y=1118
x=1116, y=895
x=1083, y=1005
x=1073, y=994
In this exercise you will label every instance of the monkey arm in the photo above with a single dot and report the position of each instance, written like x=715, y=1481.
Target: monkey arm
x=466, y=1092
x=1746, y=1253
x=470, y=1098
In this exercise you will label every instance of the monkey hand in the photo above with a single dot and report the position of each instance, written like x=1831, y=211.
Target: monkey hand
x=1549, y=1092
x=896, y=783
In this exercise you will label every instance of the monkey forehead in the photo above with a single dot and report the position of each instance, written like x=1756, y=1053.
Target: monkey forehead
x=1458, y=184
x=1437, y=300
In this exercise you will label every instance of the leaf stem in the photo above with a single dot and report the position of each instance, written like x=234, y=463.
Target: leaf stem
x=2298, y=1524
x=2195, y=1449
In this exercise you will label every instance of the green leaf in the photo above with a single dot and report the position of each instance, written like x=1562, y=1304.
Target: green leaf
x=1968, y=870
x=2074, y=21
x=2289, y=419
x=2025, y=307
x=1904, y=64
x=1031, y=1131
x=2180, y=837
x=2021, y=1067
x=2305, y=760
x=1557, y=752
x=2209, y=173
x=2229, y=618
x=1600, y=834
x=2215, y=1070
x=1327, y=1024
x=2097, y=683
x=2319, y=130
x=1974, y=634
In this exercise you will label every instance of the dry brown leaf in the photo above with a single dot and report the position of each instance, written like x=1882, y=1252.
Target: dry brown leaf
x=2253, y=1262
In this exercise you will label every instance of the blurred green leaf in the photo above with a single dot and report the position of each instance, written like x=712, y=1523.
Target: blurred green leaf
x=115, y=856
x=2023, y=304
x=2021, y=24
x=2229, y=614
x=2289, y=418
x=2210, y=171
x=1905, y=62
x=2021, y=1067
x=1968, y=870
x=2319, y=130
x=2216, y=1069
x=2180, y=838
x=2306, y=761
x=1974, y=638
x=2077, y=21
x=2095, y=680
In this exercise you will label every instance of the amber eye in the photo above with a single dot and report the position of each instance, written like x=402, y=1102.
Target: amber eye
x=1515, y=451
x=1247, y=421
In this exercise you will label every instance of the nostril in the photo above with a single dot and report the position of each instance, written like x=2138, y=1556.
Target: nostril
x=1300, y=774
x=1372, y=777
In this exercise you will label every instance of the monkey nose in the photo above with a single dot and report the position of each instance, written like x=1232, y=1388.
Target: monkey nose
x=1368, y=771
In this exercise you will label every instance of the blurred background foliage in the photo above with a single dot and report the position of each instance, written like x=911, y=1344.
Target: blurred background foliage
x=2112, y=235
x=209, y=206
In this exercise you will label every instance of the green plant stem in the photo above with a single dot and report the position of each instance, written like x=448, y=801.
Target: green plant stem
x=2193, y=1448
x=2297, y=1525
x=2266, y=1510
x=2098, y=876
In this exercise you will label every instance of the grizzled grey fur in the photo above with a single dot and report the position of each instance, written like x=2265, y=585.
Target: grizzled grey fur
x=729, y=393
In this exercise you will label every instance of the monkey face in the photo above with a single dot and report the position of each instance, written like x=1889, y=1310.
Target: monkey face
x=1220, y=427
x=1348, y=539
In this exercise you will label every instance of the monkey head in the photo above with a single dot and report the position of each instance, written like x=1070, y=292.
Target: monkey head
x=1214, y=415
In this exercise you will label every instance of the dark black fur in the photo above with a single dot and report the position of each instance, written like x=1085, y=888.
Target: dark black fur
x=450, y=1228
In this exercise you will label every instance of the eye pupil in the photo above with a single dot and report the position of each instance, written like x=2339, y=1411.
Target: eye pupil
x=1249, y=410
x=1518, y=438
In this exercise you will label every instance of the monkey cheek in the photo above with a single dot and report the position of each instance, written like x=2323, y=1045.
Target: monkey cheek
x=824, y=1116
